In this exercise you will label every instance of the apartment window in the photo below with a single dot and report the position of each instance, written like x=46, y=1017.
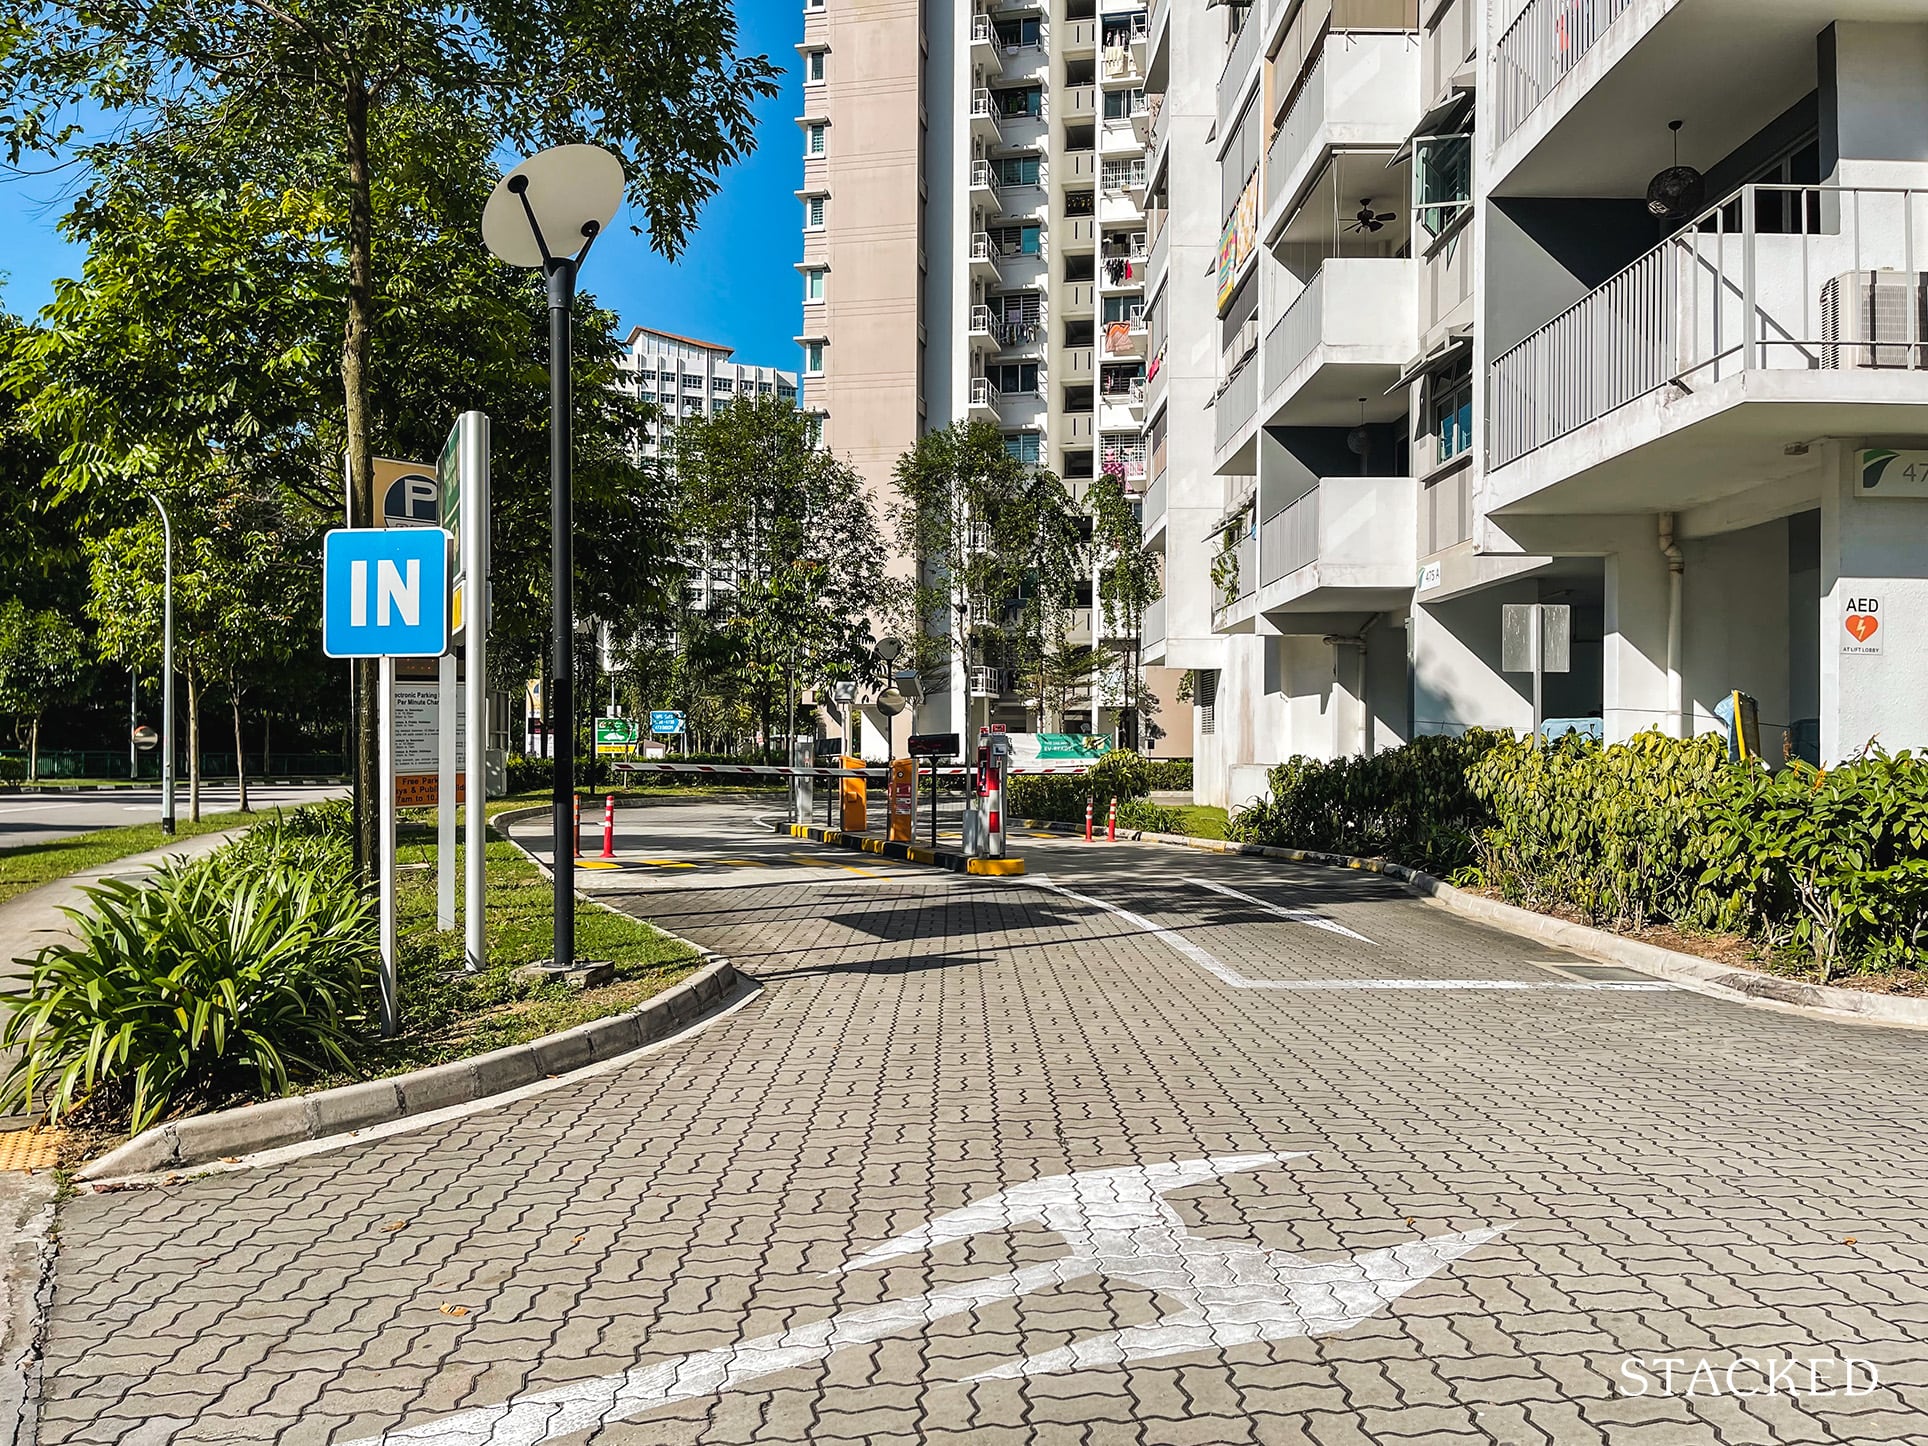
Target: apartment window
x=1123, y=104
x=1015, y=170
x=1024, y=446
x=1239, y=159
x=1022, y=100
x=813, y=66
x=818, y=133
x=1015, y=379
x=789, y=394
x=1080, y=203
x=764, y=389
x=1016, y=34
x=1449, y=409
x=813, y=213
x=722, y=384
x=813, y=284
x=1120, y=308
x=1018, y=306
x=813, y=358
x=1442, y=180
x=1018, y=240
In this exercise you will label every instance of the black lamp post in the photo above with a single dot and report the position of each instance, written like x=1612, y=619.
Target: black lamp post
x=569, y=193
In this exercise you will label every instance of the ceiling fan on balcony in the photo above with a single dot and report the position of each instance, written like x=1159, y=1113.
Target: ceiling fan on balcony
x=1676, y=191
x=1369, y=220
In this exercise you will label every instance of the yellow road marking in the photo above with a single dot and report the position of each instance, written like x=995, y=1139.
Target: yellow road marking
x=668, y=863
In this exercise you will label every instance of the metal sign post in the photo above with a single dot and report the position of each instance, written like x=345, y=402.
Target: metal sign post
x=385, y=595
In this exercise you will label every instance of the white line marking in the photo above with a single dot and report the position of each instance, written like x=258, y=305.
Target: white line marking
x=1297, y=916
x=1115, y=1223
x=1230, y=977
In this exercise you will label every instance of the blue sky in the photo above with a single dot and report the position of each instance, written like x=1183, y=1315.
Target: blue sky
x=734, y=283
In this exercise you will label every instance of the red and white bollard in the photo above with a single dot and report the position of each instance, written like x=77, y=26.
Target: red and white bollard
x=609, y=827
x=1111, y=823
x=1087, y=820
x=578, y=834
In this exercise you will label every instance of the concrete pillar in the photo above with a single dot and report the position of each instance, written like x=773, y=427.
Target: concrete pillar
x=1633, y=665
x=1872, y=551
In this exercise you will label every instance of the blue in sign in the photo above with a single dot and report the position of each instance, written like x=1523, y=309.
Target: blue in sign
x=662, y=720
x=385, y=593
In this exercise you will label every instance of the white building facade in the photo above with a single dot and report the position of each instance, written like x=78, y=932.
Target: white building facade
x=688, y=378
x=1471, y=338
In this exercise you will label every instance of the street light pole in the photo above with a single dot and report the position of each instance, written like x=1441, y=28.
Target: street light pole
x=167, y=667
x=562, y=591
x=570, y=194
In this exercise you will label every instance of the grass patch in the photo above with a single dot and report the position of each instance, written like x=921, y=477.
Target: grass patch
x=28, y=866
x=1202, y=820
x=449, y=1014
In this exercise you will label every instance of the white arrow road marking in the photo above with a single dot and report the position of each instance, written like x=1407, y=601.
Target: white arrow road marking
x=1230, y=977
x=1297, y=916
x=1114, y=1223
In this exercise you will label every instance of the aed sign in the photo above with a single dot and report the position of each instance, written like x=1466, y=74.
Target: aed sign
x=1861, y=620
x=385, y=593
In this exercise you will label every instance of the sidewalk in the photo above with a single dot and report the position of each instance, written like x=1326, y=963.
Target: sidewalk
x=30, y=922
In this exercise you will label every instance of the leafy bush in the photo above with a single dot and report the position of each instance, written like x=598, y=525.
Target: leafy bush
x=1061, y=797
x=13, y=770
x=1173, y=773
x=238, y=972
x=1410, y=804
x=1150, y=817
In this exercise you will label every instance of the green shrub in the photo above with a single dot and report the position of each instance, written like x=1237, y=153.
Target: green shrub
x=1061, y=797
x=242, y=971
x=13, y=770
x=1170, y=773
x=1410, y=804
x=1150, y=817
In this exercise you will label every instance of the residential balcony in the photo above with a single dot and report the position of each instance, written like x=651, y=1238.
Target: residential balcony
x=1079, y=233
x=984, y=189
x=985, y=400
x=983, y=337
x=1077, y=364
x=1157, y=253
x=1081, y=102
x=984, y=258
x=1348, y=545
x=1012, y=332
x=1241, y=64
x=1348, y=335
x=1233, y=609
x=1152, y=515
x=1140, y=43
x=1782, y=314
x=1362, y=94
x=1144, y=119
x=1158, y=44
x=1131, y=455
x=1233, y=414
x=1578, y=91
x=986, y=53
x=1079, y=298
x=1123, y=61
x=1449, y=50
x=1116, y=411
x=984, y=118
x=1127, y=336
x=986, y=682
x=1076, y=38
x=1151, y=636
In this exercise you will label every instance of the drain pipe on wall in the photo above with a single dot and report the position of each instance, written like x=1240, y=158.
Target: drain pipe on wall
x=1676, y=565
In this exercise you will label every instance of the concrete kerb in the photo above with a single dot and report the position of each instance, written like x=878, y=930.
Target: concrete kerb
x=201, y=1139
x=1688, y=970
x=908, y=853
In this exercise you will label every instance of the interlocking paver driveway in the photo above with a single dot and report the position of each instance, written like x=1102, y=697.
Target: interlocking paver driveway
x=1673, y=1176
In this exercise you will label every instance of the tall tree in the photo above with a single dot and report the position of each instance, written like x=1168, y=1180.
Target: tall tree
x=42, y=657
x=788, y=542
x=984, y=527
x=1128, y=583
x=657, y=81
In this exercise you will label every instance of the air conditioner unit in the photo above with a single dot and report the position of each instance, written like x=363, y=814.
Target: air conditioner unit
x=1873, y=319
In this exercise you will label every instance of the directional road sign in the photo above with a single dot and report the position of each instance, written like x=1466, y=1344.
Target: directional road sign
x=385, y=593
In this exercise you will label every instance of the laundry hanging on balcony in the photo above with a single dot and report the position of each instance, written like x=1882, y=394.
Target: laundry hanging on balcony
x=1118, y=338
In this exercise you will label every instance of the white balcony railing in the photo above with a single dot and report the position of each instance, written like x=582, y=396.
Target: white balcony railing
x=1238, y=65
x=1129, y=455
x=986, y=682
x=1236, y=405
x=1775, y=277
x=982, y=106
x=981, y=319
x=1153, y=628
x=1295, y=133
x=1294, y=335
x=984, y=392
x=982, y=248
x=1155, y=501
x=1544, y=42
x=1118, y=176
x=1289, y=538
x=983, y=178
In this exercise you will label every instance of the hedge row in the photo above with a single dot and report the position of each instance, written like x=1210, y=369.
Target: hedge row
x=1656, y=830
x=1119, y=775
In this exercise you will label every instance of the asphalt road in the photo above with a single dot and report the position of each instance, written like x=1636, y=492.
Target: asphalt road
x=27, y=818
x=1146, y=1147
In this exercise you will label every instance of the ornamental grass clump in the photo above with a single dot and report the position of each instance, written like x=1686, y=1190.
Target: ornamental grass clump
x=234, y=975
